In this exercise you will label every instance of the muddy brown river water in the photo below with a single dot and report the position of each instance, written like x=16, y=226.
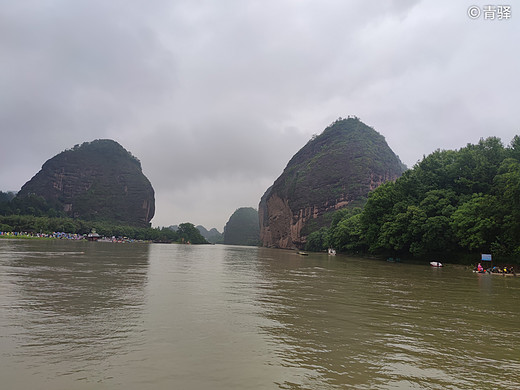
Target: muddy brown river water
x=80, y=315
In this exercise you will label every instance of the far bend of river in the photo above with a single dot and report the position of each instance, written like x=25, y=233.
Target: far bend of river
x=80, y=315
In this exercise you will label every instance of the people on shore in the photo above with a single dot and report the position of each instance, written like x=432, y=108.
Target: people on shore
x=59, y=235
x=64, y=236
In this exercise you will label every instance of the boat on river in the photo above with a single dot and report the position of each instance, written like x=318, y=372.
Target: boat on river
x=494, y=273
x=500, y=271
x=435, y=263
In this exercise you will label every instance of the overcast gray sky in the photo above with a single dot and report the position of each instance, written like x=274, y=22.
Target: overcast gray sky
x=214, y=97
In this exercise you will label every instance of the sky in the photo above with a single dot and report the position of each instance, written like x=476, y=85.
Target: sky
x=215, y=97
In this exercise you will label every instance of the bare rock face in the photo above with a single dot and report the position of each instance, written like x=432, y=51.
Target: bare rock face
x=333, y=170
x=98, y=180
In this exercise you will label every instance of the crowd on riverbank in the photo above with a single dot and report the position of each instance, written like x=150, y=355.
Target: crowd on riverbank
x=57, y=235
x=61, y=236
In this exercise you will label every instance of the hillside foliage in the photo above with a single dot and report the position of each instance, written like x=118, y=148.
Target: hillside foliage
x=187, y=233
x=242, y=228
x=33, y=214
x=464, y=201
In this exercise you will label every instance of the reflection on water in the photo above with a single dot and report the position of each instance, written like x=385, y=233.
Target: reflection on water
x=109, y=316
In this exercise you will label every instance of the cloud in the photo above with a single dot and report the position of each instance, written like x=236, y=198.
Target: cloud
x=214, y=98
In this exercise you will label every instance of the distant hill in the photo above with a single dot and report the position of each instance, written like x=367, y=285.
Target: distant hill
x=7, y=196
x=212, y=235
x=98, y=180
x=335, y=169
x=242, y=227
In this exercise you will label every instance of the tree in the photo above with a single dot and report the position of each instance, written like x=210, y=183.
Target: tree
x=378, y=211
x=403, y=233
x=188, y=233
x=317, y=240
x=475, y=223
x=348, y=236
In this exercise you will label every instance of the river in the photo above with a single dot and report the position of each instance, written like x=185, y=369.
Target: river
x=83, y=315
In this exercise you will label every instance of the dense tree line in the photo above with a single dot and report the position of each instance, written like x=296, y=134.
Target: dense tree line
x=27, y=205
x=461, y=202
x=187, y=232
x=33, y=214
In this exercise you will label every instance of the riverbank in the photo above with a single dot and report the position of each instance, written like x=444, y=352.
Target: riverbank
x=80, y=237
x=41, y=236
x=62, y=236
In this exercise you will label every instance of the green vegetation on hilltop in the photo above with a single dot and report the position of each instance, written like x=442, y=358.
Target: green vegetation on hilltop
x=458, y=202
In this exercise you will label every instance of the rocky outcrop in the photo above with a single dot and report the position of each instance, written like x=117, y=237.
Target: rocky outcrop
x=98, y=180
x=242, y=227
x=333, y=170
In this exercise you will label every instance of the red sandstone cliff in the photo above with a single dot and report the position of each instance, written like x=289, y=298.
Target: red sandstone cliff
x=98, y=180
x=333, y=170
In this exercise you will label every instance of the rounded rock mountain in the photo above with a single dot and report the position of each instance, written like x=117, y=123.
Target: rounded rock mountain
x=98, y=180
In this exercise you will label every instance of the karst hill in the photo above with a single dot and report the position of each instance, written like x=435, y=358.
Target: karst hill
x=333, y=170
x=242, y=227
x=99, y=180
